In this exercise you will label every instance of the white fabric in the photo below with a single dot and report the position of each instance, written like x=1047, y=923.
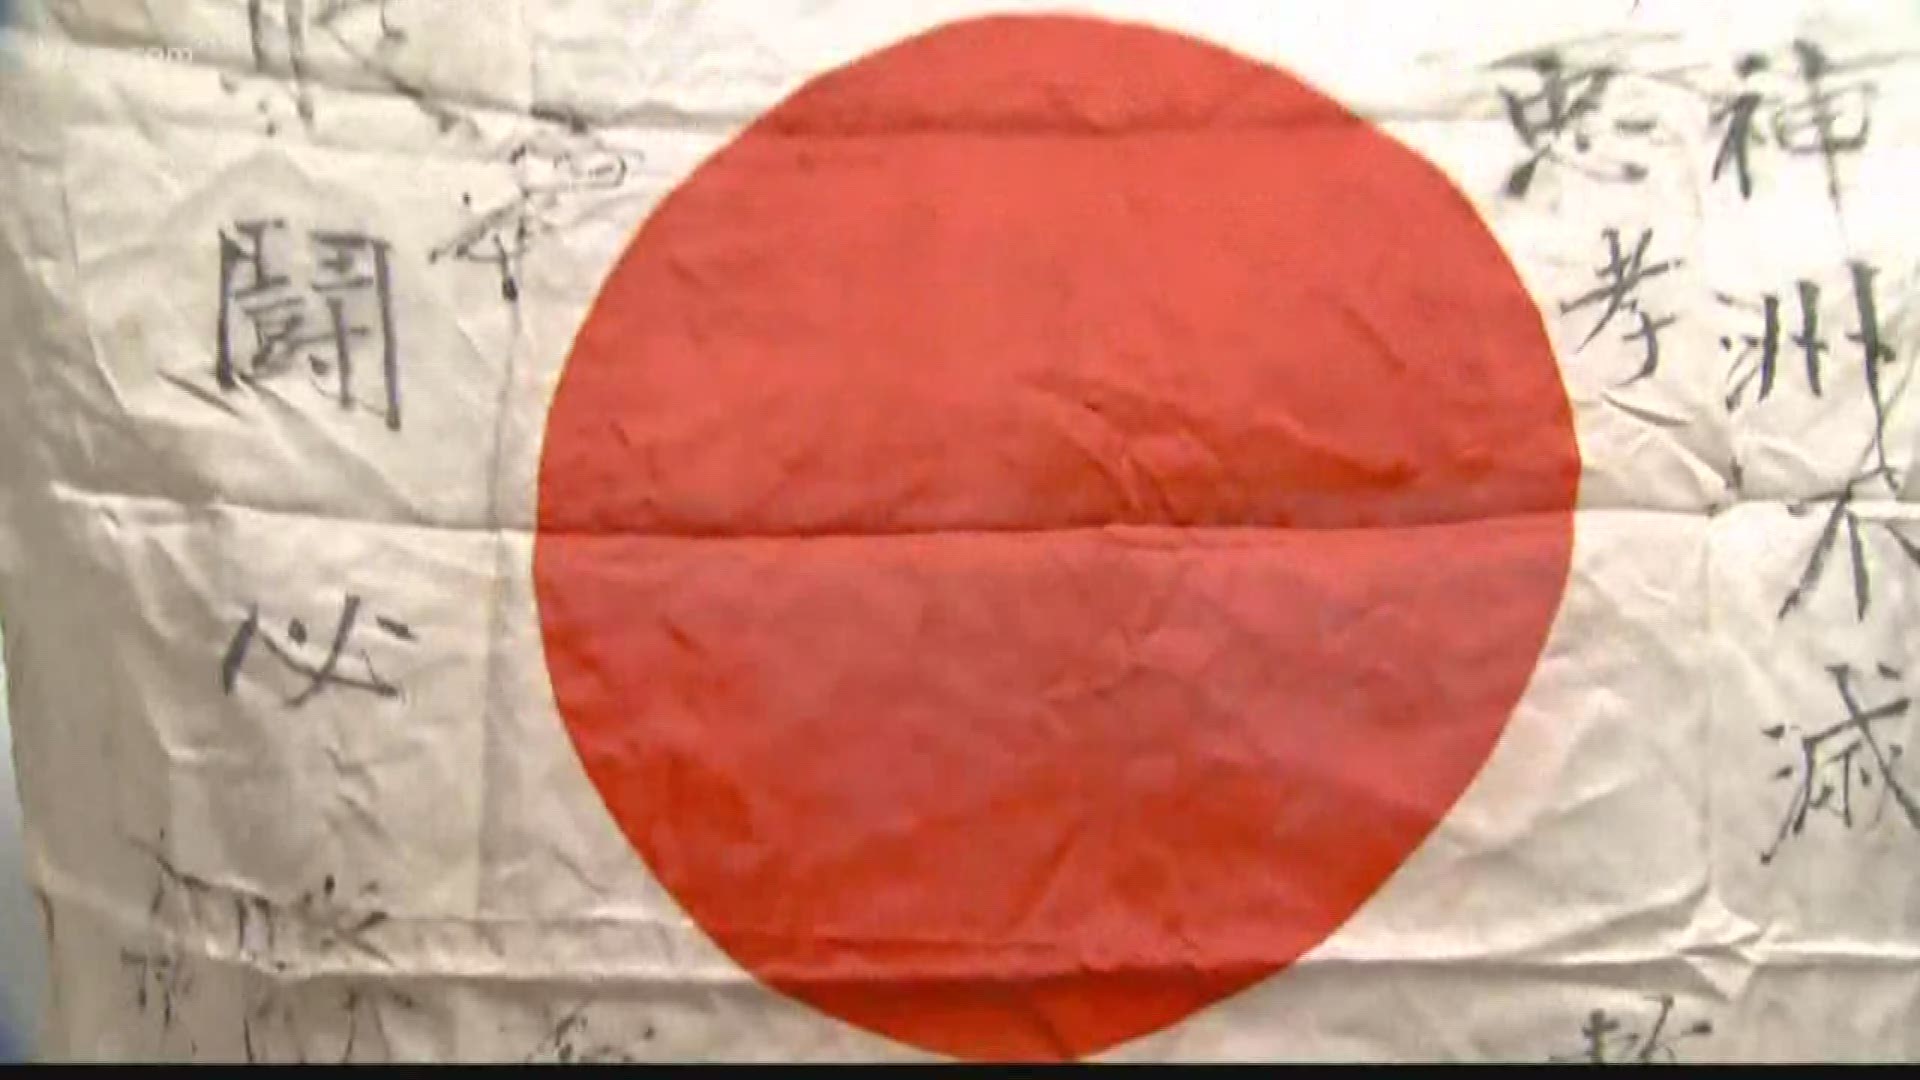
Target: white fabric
x=1605, y=859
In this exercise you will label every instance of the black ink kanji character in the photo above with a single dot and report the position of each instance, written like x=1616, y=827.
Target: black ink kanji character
x=1842, y=516
x=1607, y=1041
x=319, y=676
x=1833, y=759
x=1875, y=352
x=352, y=279
x=1827, y=115
x=1622, y=275
x=1554, y=121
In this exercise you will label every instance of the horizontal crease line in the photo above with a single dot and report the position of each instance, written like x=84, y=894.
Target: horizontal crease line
x=209, y=945
x=197, y=508
x=1111, y=528
x=75, y=493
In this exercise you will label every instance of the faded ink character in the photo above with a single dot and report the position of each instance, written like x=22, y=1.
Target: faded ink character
x=270, y=1026
x=570, y=1040
x=162, y=977
x=553, y=175
x=368, y=1010
x=1837, y=763
x=326, y=323
x=332, y=11
x=344, y=922
x=280, y=1023
x=1608, y=1040
x=283, y=34
x=278, y=40
x=327, y=671
x=1555, y=120
x=161, y=983
x=376, y=44
x=1621, y=277
x=177, y=893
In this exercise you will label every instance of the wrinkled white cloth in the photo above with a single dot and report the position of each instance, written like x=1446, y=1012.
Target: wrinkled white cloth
x=429, y=875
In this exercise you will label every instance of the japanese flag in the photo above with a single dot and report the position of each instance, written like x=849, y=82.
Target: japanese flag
x=963, y=530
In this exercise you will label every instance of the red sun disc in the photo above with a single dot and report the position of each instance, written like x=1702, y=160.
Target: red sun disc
x=1039, y=527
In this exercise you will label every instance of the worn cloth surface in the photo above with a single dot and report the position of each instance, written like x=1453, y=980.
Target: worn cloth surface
x=600, y=529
